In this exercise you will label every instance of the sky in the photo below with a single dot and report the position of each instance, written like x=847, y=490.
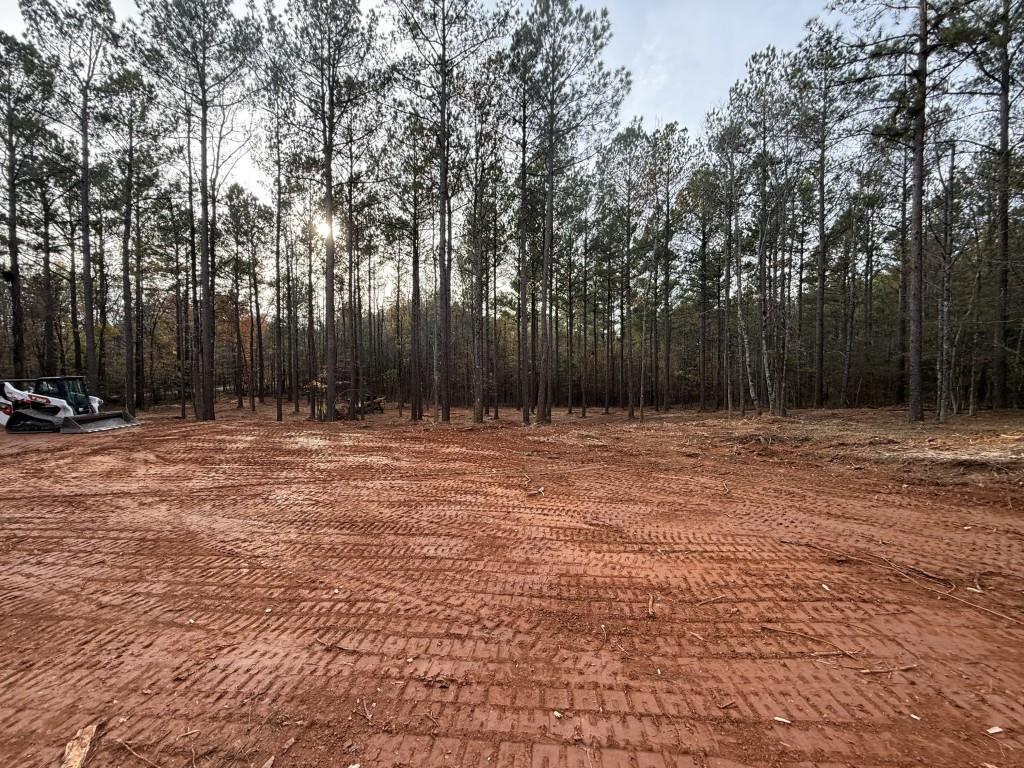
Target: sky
x=685, y=54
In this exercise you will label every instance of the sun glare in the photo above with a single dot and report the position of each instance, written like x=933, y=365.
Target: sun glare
x=323, y=229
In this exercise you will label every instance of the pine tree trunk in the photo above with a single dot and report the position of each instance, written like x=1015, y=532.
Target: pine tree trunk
x=999, y=367
x=278, y=331
x=207, y=333
x=330, y=327
x=127, y=323
x=524, y=373
x=916, y=412
x=416, y=332
x=140, y=359
x=49, y=303
x=14, y=278
x=85, y=187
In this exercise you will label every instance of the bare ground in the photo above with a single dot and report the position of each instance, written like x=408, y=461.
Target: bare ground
x=831, y=589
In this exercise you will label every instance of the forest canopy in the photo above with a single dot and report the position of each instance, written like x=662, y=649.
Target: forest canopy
x=455, y=212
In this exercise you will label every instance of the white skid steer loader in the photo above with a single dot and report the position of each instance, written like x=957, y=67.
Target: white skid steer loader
x=56, y=404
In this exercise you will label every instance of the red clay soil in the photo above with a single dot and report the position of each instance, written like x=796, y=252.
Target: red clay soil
x=594, y=594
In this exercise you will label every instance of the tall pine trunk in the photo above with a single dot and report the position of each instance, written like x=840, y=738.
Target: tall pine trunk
x=917, y=216
x=127, y=323
x=84, y=187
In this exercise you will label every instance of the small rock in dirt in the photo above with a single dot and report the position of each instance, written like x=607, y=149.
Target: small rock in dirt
x=995, y=730
x=557, y=714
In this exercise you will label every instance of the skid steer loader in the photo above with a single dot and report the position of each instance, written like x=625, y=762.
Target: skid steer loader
x=56, y=404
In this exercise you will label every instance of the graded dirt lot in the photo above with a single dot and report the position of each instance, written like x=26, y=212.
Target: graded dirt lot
x=828, y=590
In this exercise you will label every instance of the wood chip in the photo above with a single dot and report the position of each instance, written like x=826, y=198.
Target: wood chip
x=782, y=720
x=994, y=730
x=77, y=750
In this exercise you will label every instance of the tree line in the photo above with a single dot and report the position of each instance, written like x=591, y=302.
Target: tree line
x=447, y=208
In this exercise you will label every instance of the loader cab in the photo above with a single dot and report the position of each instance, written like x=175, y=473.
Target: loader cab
x=71, y=389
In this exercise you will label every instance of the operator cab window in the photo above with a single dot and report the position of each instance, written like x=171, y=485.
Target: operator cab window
x=75, y=387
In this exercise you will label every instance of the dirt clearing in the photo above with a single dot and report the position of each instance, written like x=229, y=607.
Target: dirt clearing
x=826, y=590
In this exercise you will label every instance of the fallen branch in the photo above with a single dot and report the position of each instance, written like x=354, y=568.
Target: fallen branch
x=146, y=760
x=842, y=650
x=974, y=605
x=888, y=565
x=710, y=600
x=888, y=670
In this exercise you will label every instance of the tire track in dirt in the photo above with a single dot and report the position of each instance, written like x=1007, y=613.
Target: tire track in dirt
x=392, y=596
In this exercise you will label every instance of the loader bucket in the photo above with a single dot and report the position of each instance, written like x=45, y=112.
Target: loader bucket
x=97, y=422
